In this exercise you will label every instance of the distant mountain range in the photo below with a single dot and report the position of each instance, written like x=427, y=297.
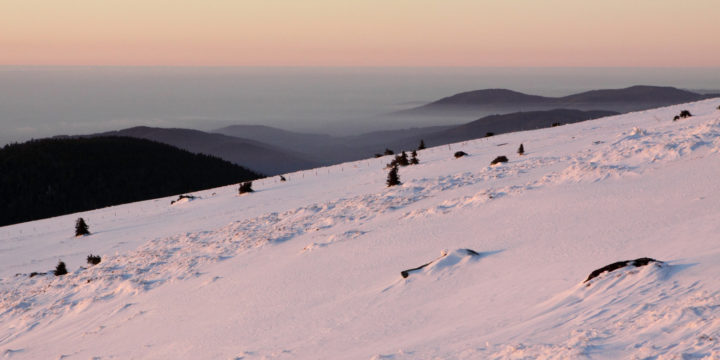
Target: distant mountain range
x=498, y=124
x=274, y=151
x=327, y=149
x=634, y=98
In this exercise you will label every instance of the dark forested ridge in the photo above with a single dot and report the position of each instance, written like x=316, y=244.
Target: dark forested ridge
x=50, y=177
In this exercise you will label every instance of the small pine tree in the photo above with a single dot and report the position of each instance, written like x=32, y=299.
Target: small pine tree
x=414, y=160
x=393, y=178
x=245, y=187
x=93, y=259
x=685, y=114
x=282, y=178
x=676, y=118
x=81, y=227
x=389, y=152
x=393, y=163
x=60, y=269
x=521, y=149
x=459, y=154
x=422, y=144
x=403, y=159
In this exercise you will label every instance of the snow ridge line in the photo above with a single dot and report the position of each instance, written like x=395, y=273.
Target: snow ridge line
x=623, y=157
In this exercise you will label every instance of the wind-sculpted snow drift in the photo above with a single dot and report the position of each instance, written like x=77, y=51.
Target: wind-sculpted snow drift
x=308, y=268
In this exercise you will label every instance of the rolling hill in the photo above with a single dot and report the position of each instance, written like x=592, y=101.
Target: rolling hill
x=255, y=155
x=634, y=98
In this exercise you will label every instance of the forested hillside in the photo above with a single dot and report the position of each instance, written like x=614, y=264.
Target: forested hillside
x=50, y=177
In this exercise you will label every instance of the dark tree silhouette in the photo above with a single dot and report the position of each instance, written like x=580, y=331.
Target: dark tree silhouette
x=389, y=152
x=282, y=178
x=402, y=159
x=489, y=134
x=245, y=187
x=393, y=178
x=414, y=160
x=460, y=154
x=521, y=149
x=60, y=269
x=676, y=118
x=81, y=227
x=685, y=114
x=93, y=259
x=422, y=144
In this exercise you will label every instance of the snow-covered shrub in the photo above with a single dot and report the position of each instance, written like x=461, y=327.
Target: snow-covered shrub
x=245, y=187
x=499, y=159
x=93, y=259
x=60, y=269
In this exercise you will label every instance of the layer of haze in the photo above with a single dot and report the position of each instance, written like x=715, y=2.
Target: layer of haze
x=360, y=33
x=45, y=101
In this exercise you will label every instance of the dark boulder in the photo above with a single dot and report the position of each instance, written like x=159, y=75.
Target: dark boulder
x=406, y=273
x=620, y=264
x=499, y=159
x=180, y=197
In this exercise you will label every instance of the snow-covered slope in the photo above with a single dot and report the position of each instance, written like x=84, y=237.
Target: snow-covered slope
x=311, y=268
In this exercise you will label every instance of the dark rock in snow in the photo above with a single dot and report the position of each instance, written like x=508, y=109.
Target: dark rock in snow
x=406, y=273
x=180, y=197
x=620, y=264
x=499, y=159
x=460, y=154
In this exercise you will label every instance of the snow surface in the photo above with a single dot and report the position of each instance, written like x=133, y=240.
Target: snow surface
x=310, y=268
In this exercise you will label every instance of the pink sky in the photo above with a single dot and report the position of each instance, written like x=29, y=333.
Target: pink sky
x=360, y=33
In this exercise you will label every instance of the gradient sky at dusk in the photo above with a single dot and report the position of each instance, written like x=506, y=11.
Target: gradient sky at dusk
x=360, y=33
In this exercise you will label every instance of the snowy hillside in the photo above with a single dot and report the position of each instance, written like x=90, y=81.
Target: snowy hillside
x=311, y=268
